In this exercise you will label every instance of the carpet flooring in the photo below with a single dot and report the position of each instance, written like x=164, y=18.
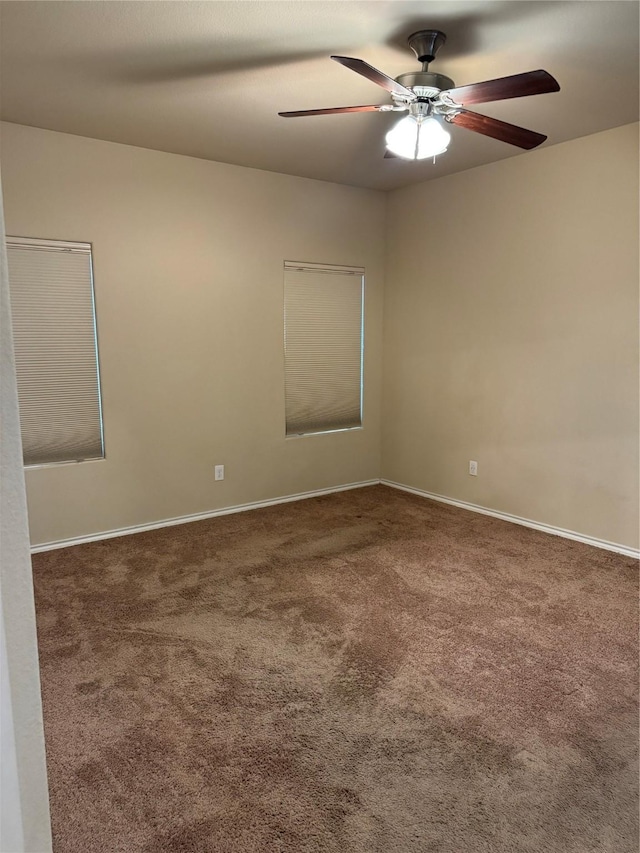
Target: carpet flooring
x=366, y=672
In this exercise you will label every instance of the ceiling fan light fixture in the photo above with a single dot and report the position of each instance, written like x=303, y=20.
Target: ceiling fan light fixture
x=417, y=137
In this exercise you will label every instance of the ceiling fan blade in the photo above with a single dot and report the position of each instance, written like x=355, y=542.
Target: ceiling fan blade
x=371, y=73
x=501, y=130
x=367, y=108
x=516, y=86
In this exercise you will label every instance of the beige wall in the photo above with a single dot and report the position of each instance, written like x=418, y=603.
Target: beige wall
x=188, y=259
x=511, y=336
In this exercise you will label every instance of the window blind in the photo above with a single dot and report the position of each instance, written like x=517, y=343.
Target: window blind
x=52, y=311
x=323, y=323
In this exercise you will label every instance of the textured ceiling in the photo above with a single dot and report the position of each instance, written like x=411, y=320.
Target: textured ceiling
x=208, y=78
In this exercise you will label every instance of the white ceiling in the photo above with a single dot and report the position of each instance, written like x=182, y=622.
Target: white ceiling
x=208, y=78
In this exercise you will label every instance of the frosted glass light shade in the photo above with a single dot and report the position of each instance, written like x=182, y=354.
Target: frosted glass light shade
x=415, y=138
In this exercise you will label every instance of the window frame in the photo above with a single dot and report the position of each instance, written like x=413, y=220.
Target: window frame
x=85, y=248
x=330, y=269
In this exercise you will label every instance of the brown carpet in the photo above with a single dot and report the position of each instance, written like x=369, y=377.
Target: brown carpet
x=367, y=672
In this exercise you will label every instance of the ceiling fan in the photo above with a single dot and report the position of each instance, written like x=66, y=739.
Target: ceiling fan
x=432, y=99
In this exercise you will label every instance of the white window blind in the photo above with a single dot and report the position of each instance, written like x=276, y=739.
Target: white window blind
x=323, y=330
x=53, y=318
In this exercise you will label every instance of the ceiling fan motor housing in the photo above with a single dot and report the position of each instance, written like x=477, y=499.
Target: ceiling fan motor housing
x=425, y=84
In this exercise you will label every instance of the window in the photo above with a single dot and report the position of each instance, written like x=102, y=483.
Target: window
x=53, y=317
x=323, y=337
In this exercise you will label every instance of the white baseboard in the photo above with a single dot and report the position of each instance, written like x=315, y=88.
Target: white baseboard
x=199, y=516
x=516, y=519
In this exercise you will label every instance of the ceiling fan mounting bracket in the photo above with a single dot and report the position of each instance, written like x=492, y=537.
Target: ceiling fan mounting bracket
x=447, y=101
x=426, y=43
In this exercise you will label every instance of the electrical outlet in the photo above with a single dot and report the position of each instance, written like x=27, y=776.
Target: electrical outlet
x=473, y=468
x=219, y=472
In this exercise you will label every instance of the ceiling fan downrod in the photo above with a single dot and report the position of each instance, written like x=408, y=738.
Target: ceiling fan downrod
x=426, y=84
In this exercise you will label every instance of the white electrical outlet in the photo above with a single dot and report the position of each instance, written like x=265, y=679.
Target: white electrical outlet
x=473, y=468
x=219, y=472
